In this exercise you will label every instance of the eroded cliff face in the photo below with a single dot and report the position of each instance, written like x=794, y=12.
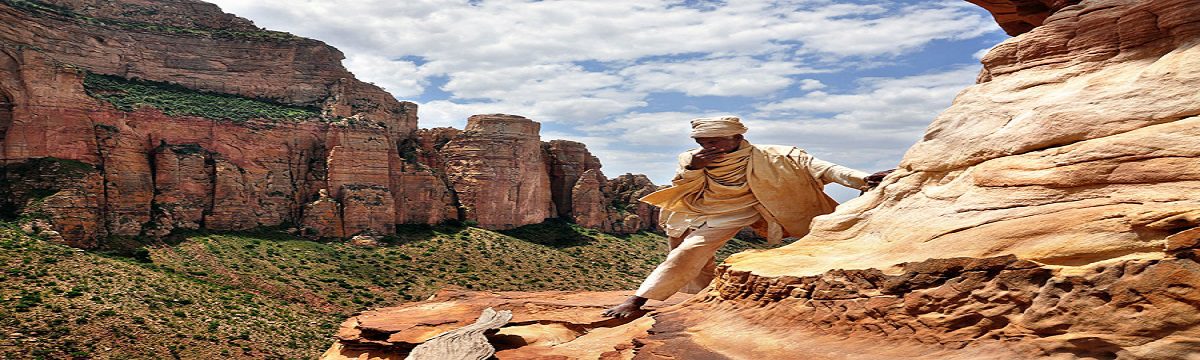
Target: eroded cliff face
x=1051, y=212
x=140, y=118
x=496, y=167
x=583, y=194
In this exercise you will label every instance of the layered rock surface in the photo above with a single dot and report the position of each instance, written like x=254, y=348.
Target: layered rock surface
x=544, y=325
x=1051, y=212
x=354, y=163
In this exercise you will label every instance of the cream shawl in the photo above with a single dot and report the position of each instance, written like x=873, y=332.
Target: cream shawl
x=783, y=191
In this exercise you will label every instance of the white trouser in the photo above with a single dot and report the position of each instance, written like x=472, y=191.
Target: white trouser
x=690, y=265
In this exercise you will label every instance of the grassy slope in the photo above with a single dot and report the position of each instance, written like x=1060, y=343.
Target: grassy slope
x=273, y=296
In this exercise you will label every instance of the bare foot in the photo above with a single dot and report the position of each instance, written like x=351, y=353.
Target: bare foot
x=631, y=305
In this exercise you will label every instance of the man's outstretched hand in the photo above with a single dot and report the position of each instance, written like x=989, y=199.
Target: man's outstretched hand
x=874, y=179
x=631, y=307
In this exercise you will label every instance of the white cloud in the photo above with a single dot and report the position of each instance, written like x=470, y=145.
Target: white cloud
x=869, y=127
x=734, y=76
x=912, y=28
x=810, y=84
x=512, y=51
x=400, y=78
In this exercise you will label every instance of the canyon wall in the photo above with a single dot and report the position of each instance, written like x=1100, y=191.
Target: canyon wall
x=1053, y=211
x=142, y=118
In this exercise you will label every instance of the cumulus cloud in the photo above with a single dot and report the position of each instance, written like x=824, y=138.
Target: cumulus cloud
x=869, y=126
x=733, y=76
x=810, y=84
x=524, y=52
x=400, y=78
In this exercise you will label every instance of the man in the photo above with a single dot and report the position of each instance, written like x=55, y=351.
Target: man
x=724, y=186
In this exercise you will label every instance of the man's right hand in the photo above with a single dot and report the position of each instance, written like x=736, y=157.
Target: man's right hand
x=701, y=159
x=875, y=179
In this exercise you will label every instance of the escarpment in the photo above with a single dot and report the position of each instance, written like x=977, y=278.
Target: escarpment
x=1053, y=211
x=128, y=118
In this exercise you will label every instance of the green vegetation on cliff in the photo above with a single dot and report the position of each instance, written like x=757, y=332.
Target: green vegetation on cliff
x=175, y=100
x=275, y=296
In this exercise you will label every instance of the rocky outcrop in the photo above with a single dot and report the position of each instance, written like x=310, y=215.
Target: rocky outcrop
x=495, y=166
x=425, y=195
x=183, y=117
x=567, y=161
x=1052, y=212
x=628, y=215
x=612, y=205
x=583, y=194
x=543, y=325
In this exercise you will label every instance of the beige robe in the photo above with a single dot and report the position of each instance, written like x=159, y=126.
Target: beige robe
x=783, y=185
x=776, y=188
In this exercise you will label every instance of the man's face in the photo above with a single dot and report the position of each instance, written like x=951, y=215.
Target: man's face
x=720, y=144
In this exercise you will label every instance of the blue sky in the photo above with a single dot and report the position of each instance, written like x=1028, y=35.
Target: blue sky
x=853, y=82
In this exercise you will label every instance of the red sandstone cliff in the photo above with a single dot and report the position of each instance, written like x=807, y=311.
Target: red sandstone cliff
x=1053, y=211
x=327, y=154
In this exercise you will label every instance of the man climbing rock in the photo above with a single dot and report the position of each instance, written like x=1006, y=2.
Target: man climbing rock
x=724, y=186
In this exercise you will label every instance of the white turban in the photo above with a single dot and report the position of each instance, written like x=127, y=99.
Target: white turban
x=717, y=127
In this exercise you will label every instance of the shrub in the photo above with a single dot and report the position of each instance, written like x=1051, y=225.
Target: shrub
x=175, y=100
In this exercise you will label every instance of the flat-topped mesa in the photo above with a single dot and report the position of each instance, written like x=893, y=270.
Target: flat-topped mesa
x=495, y=167
x=501, y=126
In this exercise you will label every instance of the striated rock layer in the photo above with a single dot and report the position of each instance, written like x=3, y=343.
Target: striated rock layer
x=353, y=162
x=1052, y=212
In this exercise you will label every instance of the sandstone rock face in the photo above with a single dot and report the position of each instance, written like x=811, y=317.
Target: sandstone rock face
x=567, y=161
x=496, y=168
x=612, y=205
x=1109, y=173
x=194, y=44
x=1052, y=212
x=587, y=200
x=153, y=172
x=355, y=165
x=583, y=194
x=425, y=195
